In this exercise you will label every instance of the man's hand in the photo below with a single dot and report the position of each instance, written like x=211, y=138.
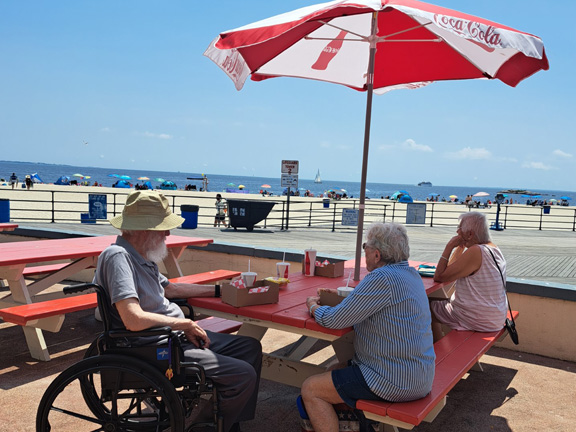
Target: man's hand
x=310, y=301
x=196, y=335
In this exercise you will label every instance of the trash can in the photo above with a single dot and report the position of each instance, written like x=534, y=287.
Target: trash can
x=247, y=213
x=546, y=209
x=4, y=210
x=85, y=218
x=190, y=214
x=326, y=202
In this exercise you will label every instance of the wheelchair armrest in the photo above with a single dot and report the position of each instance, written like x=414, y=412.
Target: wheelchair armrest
x=155, y=331
x=183, y=303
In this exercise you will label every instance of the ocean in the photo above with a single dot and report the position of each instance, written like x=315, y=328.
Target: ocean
x=49, y=173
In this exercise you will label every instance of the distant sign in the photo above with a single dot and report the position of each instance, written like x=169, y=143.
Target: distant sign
x=97, y=206
x=289, y=167
x=416, y=213
x=290, y=181
x=350, y=217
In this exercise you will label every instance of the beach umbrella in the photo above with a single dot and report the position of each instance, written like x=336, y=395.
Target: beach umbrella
x=266, y=186
x=159, y=179
x=565, y=198
x=125, y=177
x=113, y=175
x=143, y=178
x=453, y=196
x=78, y=175
x=241, y=187
x=377, y=46
x=481, y=194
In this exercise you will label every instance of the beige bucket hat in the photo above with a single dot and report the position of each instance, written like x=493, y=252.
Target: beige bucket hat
x=146, y=211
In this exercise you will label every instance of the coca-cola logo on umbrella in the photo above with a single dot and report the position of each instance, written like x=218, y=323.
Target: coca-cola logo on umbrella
x=329, y=52
x=476, y=32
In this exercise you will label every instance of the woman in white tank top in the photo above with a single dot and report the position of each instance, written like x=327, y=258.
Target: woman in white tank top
x=479, y=299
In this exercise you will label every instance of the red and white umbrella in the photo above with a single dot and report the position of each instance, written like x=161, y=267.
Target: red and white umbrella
x=377, y=46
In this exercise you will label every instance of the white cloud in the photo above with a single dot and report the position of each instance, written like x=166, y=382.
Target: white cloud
x=538, y=166
x=155, y=135
x=470, y=153
x=410, y=144
x=561, y=154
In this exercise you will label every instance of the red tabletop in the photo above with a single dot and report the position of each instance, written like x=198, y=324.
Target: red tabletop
x=291, y=307
x=26, y=252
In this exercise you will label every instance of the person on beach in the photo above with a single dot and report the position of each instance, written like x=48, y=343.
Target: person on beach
x=393, y=349
x=220, y=211
x=140, y=295
x=479, y=299
x=28, y=182
x=14, y=180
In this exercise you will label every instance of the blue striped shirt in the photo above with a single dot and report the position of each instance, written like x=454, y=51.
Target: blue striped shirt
x=393, y=343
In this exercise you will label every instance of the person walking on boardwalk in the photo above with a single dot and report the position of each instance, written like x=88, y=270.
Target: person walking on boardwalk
x=220, y=211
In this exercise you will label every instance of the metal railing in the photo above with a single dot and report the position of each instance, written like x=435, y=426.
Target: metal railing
x=68, y=206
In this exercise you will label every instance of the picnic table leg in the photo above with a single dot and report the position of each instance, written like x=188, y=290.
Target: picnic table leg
x=344, y=347
x=36, y=343
x=257, y=332
x=171, y=263
x=301, y=348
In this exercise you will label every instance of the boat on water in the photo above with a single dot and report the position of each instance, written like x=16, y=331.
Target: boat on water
x=425, y=184
x=318, y=179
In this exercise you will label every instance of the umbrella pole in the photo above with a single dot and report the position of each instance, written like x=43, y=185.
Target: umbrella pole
x=369, y=94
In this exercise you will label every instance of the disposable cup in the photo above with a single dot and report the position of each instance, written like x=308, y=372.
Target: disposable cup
x=309, y=262
x=345, y=291
x=249, y=278
x=282, y=269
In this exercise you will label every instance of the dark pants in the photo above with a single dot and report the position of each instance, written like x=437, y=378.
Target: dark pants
x=233, y=363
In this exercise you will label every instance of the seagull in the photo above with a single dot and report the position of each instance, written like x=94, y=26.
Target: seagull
x=85, y=142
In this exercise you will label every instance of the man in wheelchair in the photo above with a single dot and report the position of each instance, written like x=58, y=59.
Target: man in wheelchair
x=140, y=300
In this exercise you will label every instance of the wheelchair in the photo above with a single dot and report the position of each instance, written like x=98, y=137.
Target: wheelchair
x=123, y=384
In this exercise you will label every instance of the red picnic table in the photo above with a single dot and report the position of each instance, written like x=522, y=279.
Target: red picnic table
x=78, y=254
x=5, y=226
x=290, y=315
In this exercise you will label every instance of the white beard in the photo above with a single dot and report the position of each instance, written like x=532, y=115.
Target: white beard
x=156, y=248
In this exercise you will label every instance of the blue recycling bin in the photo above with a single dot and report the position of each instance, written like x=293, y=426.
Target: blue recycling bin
x=4, y=210
x=546, y=209
x=190, y=214
x=326, y=202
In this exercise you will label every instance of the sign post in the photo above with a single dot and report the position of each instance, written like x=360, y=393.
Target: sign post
x=289, y=179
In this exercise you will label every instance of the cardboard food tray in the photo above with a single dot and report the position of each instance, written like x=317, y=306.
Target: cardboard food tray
x=328, y=298
x=333, y=270
x=242, y=297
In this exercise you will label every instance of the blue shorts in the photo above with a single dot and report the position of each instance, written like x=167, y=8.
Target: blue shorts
x=351, y=385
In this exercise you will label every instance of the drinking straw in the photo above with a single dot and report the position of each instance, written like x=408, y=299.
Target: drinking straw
x=348, y=281
x=248, y=265
x=284, y=257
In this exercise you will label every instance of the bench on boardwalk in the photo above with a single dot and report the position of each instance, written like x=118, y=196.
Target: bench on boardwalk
x=456, y=354
x=6, y=226
x=29, y=314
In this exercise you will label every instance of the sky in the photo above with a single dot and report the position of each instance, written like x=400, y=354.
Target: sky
x=124, y=84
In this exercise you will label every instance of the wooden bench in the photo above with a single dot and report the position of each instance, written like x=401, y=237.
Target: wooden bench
x=27, y=314
x=456, y=354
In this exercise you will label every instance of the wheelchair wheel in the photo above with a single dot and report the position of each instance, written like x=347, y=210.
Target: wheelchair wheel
x=124, y=394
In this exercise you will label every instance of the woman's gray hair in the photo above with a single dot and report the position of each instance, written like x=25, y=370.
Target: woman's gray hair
x=391, y=239
x=477, y=223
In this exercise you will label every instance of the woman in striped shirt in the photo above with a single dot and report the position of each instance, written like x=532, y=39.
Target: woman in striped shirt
x=394, y=354
x=479, y=299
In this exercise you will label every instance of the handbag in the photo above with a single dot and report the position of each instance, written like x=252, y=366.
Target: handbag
x=510, y=324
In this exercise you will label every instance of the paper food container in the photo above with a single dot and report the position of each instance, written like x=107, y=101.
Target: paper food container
x=328, y=298
x=242, y=297
x=333, y=270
